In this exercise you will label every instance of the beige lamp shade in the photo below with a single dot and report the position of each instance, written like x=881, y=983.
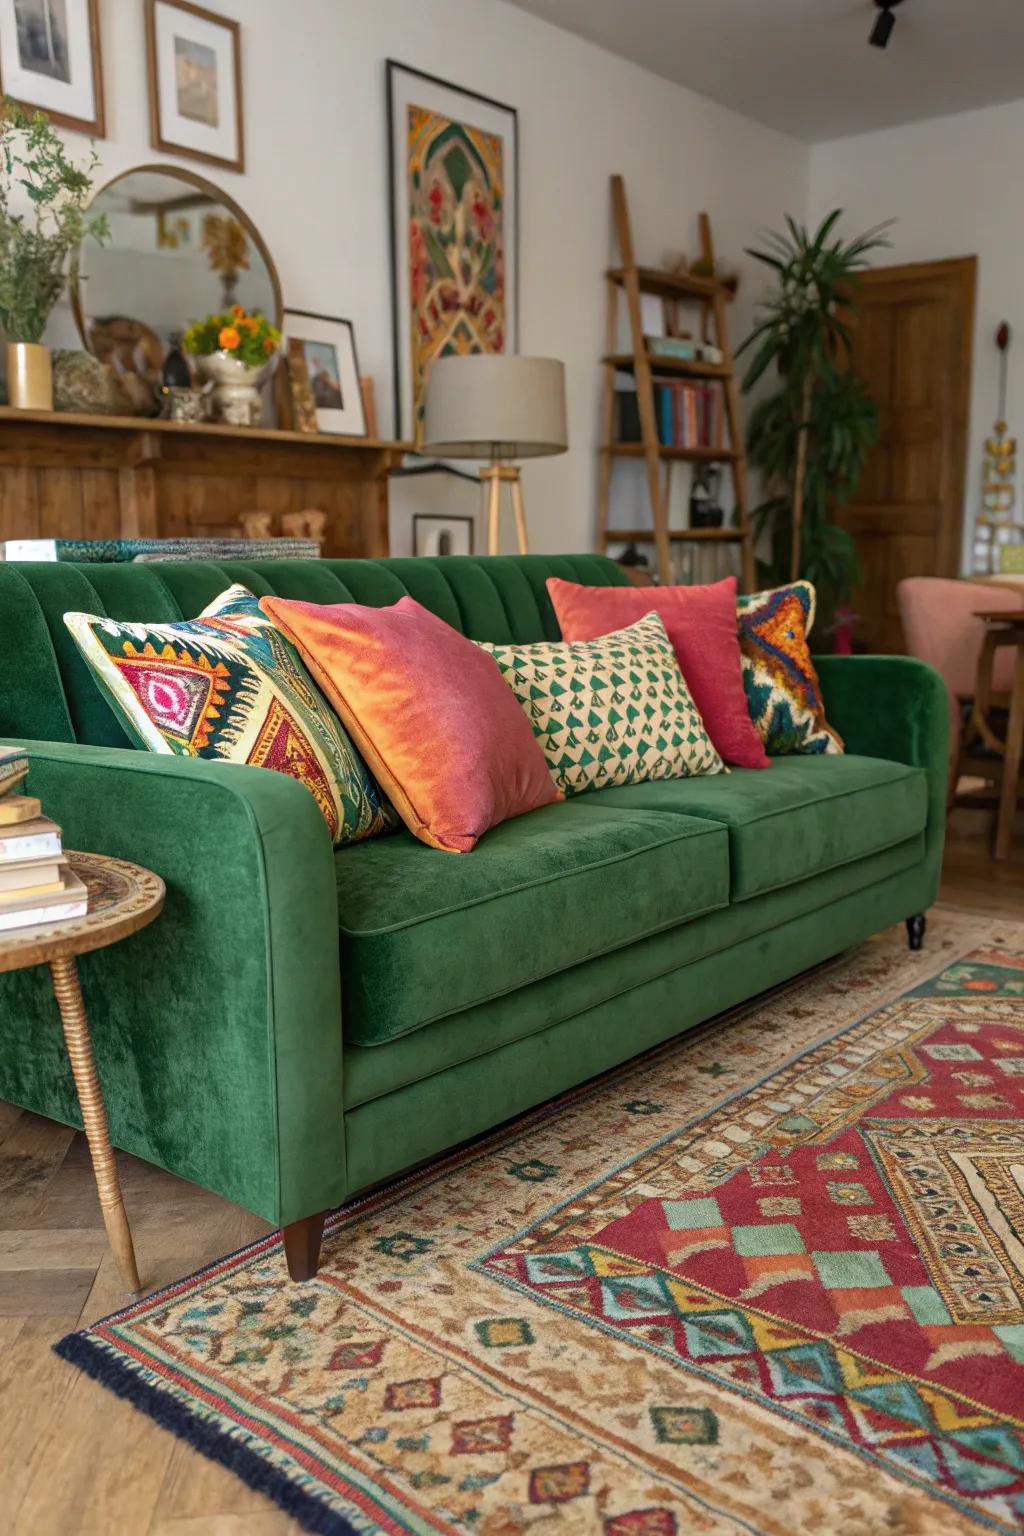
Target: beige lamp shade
x=495, y=406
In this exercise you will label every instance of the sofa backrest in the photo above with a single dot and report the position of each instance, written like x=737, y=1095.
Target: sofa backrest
x=48, y=694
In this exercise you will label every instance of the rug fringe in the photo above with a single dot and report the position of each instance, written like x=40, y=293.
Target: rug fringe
x=252, y=1468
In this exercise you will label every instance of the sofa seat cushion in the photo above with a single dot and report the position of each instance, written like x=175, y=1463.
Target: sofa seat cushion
x=801, y=816
x=424, y=934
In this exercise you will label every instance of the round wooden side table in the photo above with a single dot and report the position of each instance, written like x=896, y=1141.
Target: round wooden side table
x=123, y=898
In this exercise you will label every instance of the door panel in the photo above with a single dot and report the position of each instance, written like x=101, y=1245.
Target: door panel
x=912, y=329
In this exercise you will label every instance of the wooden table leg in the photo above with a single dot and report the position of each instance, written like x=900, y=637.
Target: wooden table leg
x=1011, y=761
x=94, y=1116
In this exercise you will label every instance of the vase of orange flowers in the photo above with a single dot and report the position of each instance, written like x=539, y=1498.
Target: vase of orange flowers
x=236, y=352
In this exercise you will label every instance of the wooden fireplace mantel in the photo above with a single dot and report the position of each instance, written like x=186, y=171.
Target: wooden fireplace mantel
x=108, y=477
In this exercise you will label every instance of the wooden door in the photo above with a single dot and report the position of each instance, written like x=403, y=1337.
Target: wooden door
x=912, y=327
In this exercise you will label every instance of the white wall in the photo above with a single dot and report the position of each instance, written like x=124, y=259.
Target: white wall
x=317, y=188
x=953, y=183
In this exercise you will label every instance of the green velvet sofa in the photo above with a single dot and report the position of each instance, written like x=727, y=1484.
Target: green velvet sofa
x=299, y=1024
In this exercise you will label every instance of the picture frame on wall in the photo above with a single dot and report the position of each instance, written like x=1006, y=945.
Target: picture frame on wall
x=194, y=60
x=329, y=350
x=453, y=166
x=50, y=60
x=448, y=535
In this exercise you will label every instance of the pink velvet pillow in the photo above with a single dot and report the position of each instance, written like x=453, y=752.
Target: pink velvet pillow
x=431, y=713
x=701, y=624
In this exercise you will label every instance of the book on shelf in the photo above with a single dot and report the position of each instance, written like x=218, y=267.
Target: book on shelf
x=71, y=899
x=664, y=403
x=627, y=416
x=682, y=348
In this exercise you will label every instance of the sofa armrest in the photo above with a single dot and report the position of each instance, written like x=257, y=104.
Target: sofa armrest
x=217, y=1028
x=894, y=707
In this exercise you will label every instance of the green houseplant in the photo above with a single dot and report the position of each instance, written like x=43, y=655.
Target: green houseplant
x=810, y=436
x=38, y=247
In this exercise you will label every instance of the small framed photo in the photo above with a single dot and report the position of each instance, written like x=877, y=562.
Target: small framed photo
x=329, y=349
x=195, y=83
x=50, y=60
x=441, y=535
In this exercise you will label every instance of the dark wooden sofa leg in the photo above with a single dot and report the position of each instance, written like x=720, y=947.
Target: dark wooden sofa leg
x=915, y=930
x=302, y=1245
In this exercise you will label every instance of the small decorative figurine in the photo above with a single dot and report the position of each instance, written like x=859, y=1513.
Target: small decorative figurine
x=705, y=509
x=995, y=526
x=309, y=524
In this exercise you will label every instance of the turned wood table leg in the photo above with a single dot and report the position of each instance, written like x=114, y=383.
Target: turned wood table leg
x=94, y=1116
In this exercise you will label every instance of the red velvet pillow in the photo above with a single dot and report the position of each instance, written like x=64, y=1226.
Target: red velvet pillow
x=701, y=623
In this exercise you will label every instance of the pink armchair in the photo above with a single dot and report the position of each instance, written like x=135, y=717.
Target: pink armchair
x=940, y=627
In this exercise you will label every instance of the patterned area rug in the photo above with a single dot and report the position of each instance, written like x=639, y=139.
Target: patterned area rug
x=769, y=1279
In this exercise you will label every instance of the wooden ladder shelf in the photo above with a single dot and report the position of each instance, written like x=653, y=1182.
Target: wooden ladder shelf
x=674, y=289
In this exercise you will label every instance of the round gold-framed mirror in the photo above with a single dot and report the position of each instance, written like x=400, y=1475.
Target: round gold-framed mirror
x=179, y=249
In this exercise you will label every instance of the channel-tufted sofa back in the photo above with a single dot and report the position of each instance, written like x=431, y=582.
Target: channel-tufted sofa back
x=47, y=693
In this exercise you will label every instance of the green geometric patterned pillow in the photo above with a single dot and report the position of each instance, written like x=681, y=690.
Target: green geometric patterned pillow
x=610, y=711
x=230, y=687
x=782, y=687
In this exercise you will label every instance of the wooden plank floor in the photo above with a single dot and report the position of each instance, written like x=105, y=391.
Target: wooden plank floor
x=73, y=1458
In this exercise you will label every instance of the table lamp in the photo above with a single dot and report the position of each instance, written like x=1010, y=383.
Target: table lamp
x=499, y=408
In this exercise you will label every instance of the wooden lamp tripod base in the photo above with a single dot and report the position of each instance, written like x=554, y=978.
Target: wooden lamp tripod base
x=491, y=478
x=500, y=407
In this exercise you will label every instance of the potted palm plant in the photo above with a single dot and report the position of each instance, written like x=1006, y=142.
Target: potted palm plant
x=38, y=246
x=810, y=436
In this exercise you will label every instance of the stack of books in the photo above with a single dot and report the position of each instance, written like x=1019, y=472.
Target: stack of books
x=37, y=884
x=688, y=415
x=696, y=415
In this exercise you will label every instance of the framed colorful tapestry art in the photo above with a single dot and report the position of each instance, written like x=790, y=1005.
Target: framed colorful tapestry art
x=454, y=165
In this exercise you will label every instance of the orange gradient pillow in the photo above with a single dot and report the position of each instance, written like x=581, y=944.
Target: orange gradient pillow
x=430, y=712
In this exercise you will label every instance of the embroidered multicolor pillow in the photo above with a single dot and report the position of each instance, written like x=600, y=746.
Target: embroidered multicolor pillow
x=610, y=711
x=783, y=692
x=228, y=686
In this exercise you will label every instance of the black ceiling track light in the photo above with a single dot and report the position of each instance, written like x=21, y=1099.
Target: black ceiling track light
x=884, y=23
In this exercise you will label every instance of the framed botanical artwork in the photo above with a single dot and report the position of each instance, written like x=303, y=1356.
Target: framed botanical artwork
x=442, y=535
x=454, y=169
x=50, y=60
x=195, y=83
x=329, y=350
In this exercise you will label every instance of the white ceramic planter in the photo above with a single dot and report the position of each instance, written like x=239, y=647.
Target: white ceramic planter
x=236, y=387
